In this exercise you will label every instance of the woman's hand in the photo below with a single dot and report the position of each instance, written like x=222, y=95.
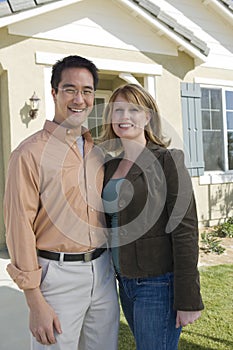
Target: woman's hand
x=184, y=318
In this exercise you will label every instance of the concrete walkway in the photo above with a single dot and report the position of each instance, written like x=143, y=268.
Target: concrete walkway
x=14, y=332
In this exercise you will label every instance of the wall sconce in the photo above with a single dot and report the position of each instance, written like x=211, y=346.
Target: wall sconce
x=34, y=103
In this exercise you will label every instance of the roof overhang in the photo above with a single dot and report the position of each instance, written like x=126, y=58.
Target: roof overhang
x=223, y=8
x=39, y=10
x=186, y=41
x=161, y=22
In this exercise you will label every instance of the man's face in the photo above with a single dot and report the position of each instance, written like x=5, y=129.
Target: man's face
x=75, y=97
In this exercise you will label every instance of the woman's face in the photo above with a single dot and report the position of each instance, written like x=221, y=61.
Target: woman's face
x=129, y=120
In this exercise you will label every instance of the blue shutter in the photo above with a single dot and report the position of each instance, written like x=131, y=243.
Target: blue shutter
x=192, y=128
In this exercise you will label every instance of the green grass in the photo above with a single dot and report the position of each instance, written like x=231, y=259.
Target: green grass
x=213, y=331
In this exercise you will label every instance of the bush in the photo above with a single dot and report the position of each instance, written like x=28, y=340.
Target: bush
x=225, y=229
x=210, y=241
x=211, y=244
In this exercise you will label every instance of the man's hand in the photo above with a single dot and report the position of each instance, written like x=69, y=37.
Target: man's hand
x=43, y=319
x=184, y=318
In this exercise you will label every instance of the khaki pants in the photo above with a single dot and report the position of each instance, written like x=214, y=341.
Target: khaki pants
x=83, y=295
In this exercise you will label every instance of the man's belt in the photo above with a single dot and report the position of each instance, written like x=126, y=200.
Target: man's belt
x=86, y=257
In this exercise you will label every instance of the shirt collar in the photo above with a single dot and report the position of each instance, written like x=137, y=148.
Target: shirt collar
x=66, y=135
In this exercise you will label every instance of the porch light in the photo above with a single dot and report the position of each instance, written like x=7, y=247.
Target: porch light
x=34, y=103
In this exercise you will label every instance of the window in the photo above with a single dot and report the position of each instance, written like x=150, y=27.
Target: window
x=217, y=128
x=95, y=118
x=229, y=118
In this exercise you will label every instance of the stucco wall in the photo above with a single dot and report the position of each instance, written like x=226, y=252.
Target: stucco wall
x=4, y=144
x=2, y=184
x=214, y=202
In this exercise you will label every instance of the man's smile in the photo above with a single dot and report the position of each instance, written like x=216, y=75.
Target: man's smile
x=77, y=110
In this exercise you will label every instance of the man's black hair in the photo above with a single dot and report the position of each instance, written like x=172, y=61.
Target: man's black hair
x=72, y=62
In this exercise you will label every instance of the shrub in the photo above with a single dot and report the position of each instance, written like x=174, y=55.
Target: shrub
x=211, y=244
x=225, y=229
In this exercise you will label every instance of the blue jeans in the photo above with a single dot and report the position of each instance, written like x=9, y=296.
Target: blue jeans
x=148, y=307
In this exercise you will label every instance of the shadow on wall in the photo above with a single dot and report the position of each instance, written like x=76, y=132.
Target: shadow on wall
x=24, y=114
x=14, y=331
x=221, y=200
x=178, y=66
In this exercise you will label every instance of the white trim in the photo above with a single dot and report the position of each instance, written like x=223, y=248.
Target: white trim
x=218, y=82
x=105, y=64
x=129, y=78
x=39, y=10
x=214, y=179
x=103, y=94
x=150, y=85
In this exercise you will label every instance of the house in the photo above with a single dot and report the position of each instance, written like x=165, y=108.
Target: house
x=181, y=51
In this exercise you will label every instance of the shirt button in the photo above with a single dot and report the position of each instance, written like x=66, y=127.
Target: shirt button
x=90, y=187
x=68, y=131
x=92, y=209
x=74, y=146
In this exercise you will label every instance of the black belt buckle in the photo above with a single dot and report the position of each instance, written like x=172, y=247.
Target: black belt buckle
x=88, y=256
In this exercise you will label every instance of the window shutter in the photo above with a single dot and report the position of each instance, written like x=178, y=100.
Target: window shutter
x=192, y=128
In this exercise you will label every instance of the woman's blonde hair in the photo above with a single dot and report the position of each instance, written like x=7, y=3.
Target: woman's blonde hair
x=137, y=95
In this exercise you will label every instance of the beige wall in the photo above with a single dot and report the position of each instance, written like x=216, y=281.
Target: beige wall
x=210, y=73
x=4, y=144
x=214, y=202
x=2, y=183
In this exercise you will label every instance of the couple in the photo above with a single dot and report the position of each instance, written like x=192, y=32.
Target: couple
x=62, y=211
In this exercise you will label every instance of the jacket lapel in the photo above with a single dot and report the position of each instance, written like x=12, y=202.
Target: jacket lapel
x=145, y=159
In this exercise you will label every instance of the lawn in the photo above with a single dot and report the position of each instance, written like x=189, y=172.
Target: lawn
x=213, y=331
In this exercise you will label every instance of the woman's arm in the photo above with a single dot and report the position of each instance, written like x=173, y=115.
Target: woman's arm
x=183, y=227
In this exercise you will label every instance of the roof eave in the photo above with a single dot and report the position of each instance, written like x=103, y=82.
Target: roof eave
x=220, y=9
x=21, y=16
x=163, y=29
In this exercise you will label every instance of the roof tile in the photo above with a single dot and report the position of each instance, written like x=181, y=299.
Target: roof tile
x=4, y=9
x=228, y=3
x=14, y=6
x=20, y=5
x=172, y=24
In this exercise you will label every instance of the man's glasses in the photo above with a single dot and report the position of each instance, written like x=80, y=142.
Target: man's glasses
x=87, y=93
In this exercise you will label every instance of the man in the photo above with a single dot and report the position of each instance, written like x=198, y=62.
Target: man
x=54, y=222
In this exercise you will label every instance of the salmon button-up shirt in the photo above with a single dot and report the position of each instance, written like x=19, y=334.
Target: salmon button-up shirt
x=52, y=200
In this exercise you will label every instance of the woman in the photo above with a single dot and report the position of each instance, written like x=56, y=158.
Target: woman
x=151, y=211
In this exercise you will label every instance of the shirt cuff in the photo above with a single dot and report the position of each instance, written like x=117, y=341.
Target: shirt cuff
x=25, y=280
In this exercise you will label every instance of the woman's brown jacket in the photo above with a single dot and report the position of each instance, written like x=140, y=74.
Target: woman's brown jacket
x=157, y=222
